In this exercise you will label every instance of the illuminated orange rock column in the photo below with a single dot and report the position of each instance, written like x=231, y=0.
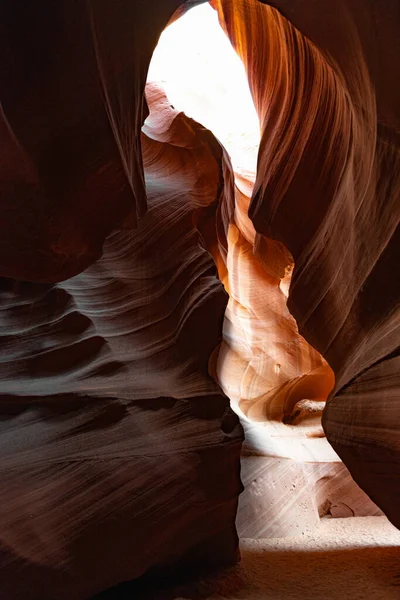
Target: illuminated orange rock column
x=277, y=382
x=327, y=187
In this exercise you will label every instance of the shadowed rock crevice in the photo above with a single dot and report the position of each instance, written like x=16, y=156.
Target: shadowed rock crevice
x=140, y=264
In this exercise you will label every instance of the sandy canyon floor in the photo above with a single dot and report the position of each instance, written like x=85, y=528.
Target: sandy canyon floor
x=346, y=559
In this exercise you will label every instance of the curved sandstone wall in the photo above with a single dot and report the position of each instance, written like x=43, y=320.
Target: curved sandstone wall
x=120, y=454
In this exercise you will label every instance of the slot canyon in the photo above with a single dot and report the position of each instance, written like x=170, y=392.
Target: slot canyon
x=199, y=300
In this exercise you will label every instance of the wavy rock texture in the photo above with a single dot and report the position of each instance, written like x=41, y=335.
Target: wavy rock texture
x=119, y=452
x=277, y=382
x=327, y=187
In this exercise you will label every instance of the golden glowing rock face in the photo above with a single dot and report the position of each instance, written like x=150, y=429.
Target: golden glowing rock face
x=328, y=188
x=277, y=383
x=305, y=208
x=120, y=455
x=264, y=366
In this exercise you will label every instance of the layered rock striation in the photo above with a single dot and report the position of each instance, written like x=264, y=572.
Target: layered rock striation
x=126, y=255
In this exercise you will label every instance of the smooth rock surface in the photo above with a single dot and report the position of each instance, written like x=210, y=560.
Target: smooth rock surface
x=325, y=84
x=276, y=381
x=119, y=451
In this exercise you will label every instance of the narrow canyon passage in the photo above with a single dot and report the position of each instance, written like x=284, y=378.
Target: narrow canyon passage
x=276, y=382
x=199, y=308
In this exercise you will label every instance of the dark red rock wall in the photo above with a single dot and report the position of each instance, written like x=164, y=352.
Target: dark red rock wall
x=326, y=87
x=72, y=83
x=119, y=452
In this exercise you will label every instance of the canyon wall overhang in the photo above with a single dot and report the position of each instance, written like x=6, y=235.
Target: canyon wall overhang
x=326, y=85
x=119, y=451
